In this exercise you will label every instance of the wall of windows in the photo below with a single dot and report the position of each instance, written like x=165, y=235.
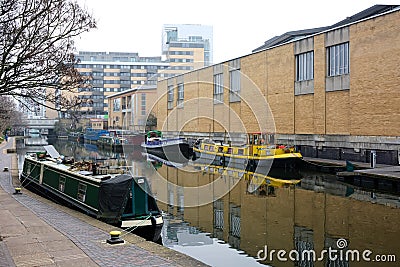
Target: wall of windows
x=143, y=105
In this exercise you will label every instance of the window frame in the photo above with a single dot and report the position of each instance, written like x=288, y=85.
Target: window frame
x=305, y=66
x=180, y=95
x=218, y=93
x=338, y=59
x=170, y=96
x=81, y=194
x=234, y=85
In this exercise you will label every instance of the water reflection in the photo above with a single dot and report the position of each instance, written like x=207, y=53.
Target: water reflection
x=218, y=225
x=314, y=214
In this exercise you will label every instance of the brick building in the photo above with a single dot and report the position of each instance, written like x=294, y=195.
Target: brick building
x=130, y=109
x=332, y=91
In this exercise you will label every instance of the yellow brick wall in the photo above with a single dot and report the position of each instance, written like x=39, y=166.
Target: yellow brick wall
x=370, y=107
x=375, y=72
x=319, y=84
x=337, y=112
x=280, y=82
x=304, y=110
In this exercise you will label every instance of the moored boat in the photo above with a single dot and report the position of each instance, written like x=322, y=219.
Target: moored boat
x=257, y=155
x=108, y=193
x=76, y=137
x=171, y=149
x=92, y=135
x=112, y=142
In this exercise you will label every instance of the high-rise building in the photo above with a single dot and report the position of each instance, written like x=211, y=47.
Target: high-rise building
x=187, y=45
x=113, y=72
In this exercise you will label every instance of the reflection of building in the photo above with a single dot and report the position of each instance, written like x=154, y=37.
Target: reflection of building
x=98, y=124
x=295, y=218
x=332, y=91
x=130, y=109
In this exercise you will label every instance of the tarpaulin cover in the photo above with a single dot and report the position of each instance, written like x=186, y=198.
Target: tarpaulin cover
x=113, y=195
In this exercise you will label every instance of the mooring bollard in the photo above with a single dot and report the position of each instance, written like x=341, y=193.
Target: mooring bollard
x=17, y=191
x=5, y=169
x=115, y=239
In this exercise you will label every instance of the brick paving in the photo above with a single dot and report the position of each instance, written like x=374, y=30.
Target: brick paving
x=38, y=234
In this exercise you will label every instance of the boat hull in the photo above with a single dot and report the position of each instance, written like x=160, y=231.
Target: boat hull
x=175, y=152
x=121, y=201
x=248, y=164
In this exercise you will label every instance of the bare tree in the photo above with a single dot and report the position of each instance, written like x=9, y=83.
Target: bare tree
x=37, y=49
x=9, y=116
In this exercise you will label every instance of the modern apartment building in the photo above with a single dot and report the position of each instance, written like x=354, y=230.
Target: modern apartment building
x=114, y=72
x=187, y=46
x=332, y=92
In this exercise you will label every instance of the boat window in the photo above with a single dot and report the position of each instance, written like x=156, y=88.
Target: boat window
x=220, y=149
x=240, y=151
x=28, y=169
x=61, y=184
x=81, y=192
x=229, y=150
x=211, y=148
x=255, y=138
x=205, y=147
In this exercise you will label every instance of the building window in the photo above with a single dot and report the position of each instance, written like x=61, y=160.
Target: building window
x=143, y=105
x=170, y=96
x=234, y=80
x=338, y=59
x=305, y=66
x=117, y=104
x=218, y=88
x=81, y=192
x=180, y=95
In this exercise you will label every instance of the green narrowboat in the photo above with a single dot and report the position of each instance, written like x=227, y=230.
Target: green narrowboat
x=109, y=194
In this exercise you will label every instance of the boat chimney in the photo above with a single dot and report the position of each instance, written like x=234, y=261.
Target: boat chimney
x=94, y=168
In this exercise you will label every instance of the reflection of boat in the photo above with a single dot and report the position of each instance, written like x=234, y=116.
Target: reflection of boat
x=134, y=138
x=112, y=142
x=255, y=181
x=34, y=133
x=92, y=135
x=36, y=141
x=258, y=155
x=173, y=149
x=76, y=137
x=157, y=160
x=90, y=147
x=107, y=193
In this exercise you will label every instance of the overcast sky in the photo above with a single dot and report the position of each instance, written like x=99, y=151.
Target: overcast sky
x=239, y=26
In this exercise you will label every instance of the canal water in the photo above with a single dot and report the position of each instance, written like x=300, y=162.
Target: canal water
x=229, y=218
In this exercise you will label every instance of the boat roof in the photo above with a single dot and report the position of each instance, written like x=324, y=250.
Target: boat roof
x=52, y=151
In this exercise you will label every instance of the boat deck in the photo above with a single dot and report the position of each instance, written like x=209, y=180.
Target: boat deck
x=392, y=172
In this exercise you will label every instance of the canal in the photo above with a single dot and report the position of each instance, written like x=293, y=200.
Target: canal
x=230, y=218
